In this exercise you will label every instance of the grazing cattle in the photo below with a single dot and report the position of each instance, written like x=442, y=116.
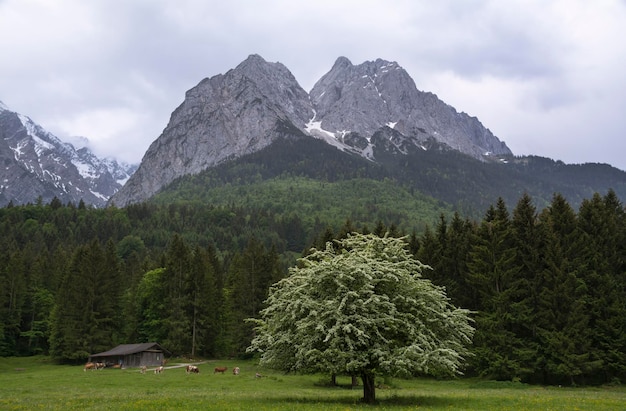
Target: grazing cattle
x=159, y=370
x=118, y=366
x=192, y=369
x=100, y=365
x=220, y=369
x=236, y=371
x=89, y=366
x=143, y=369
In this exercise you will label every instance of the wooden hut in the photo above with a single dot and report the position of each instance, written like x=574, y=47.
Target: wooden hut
x=132, y=355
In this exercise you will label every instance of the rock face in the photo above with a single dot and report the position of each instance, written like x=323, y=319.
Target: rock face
x=223, y=117
x=37, y=165
x=379, y=93
x=249, y=107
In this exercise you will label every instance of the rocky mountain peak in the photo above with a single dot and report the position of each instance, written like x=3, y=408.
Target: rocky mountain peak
x=373, y=87
x=368, y=96
x=223, y=117
x=37, y=164
x=341, y=62
x=251, y=106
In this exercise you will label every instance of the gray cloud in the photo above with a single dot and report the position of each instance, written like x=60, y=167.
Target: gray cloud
x=544, y=76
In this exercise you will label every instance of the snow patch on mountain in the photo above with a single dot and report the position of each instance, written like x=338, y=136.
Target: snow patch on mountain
x=314, y=129
x=41, y=165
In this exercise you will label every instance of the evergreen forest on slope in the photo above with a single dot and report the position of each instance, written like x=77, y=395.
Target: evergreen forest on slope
x=545, y=275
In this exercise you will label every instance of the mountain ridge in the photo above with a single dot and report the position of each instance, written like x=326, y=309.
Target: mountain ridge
x=39, y=166
x=247, y=108
x=371, y=110
x=453, y=180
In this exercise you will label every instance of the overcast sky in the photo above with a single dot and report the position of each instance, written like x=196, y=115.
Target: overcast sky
x=547, y=77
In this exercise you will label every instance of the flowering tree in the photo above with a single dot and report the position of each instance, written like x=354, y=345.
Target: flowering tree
x=361, y=307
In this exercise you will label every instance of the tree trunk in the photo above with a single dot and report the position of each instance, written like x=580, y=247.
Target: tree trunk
x=369, y=388
x=193, y=330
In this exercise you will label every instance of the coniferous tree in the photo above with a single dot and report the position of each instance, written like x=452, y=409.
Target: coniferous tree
x=601, y=221
x=454, y=262
x=427, y=252
x=562, y=322
x=110, y=291
x=251, y=273
x=83, y=319
x=12, y=293
x=492, y=271
x=213, y=305
x=525, y=285
x=177, y=283
x=205, y=302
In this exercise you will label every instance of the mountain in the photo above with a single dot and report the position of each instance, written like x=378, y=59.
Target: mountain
x=363, y=99
x=312, y=179
x=357, y=109
x=37, y=164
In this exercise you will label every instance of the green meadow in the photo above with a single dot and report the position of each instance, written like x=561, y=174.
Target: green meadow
x=34, y=383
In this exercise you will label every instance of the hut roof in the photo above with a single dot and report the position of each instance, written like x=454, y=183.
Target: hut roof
x=126, y=349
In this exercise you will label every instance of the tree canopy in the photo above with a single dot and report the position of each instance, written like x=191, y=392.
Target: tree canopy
x=361, y=307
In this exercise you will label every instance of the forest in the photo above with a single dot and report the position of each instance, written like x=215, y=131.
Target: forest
x=547, y=287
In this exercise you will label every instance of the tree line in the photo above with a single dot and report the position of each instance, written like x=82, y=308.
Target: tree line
x=547, y=287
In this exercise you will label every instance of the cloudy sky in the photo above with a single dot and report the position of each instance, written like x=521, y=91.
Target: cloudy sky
x=547, y=77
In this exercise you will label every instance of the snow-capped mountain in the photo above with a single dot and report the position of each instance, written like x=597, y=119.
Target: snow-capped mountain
x=351, y=107
x=38, y=165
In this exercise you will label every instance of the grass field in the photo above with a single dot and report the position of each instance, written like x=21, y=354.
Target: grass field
x=35, y=383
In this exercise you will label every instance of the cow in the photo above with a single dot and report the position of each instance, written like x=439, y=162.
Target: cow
x=89, y=366
x=100, y=365
x=236, y=371
x=159, y=370
x=220, y=369
x=192, y=369
x=143, y=369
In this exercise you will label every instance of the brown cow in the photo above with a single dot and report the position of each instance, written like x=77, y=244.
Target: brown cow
x=143, y=369
x=89, y=366
x=159, y=370
x=220, y=369
x=192, y=369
